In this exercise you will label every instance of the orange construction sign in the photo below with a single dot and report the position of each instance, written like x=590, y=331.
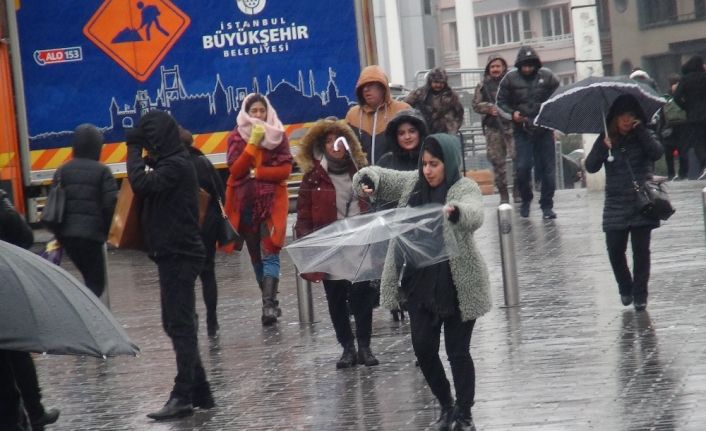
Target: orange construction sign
x=137, y=34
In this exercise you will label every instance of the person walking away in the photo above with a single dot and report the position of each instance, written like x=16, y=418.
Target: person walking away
x=19, y=385
x=497, y=131
x=690, y=95
x=449, y=295
x=406, y=131
x=257, y=202
x=171, y=231
x=91, y=194
x=208, y=180
x=520, y=95
x=630, y=143
x=672, y=120
x=326, y=195
x=375, y=108
x=438, y=103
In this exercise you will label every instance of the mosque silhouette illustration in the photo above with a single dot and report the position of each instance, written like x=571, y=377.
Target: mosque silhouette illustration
x=216, y=110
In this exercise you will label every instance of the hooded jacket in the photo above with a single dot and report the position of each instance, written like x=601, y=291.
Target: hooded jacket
x=485, y=96
x=316, y=203
x=369, y=122
x=170, y=215
x=398, y=158
x=468, y=270
x=442, y=110
x=690, y=94
x=91, y=191
x=640, y=149
x=518, y=92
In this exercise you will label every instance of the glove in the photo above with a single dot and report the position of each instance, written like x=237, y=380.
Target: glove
x=454, y=214
x=135, y=137
x=257, y=134
x=368, y=182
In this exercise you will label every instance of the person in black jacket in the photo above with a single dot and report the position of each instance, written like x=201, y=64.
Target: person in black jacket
x=690, y=95
x=18, y=376
x=171, y=232
x=630, y=142
x=520, y=94
x=210, y=181
x=91, y=194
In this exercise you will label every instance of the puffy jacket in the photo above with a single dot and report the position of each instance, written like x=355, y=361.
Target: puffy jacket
x=170, y=217
x=369, y=123
x=442, y=109
x=518, y=92
x=690, y=94
x=13, y=228
x=91, y=191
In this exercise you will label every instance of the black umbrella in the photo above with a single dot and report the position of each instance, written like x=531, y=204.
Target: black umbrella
x=581, y=107
x=45, y=309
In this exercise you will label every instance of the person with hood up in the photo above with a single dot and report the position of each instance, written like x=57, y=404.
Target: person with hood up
x=211, y=182
x=375, y=109
x=170, y=224
x=91, y=194
x=630, y=142
x=257, y=202
x=438, y=103
x=520, y=94
x=326, y=195
x=497, y=130
x=690, y=95
x=451, y=294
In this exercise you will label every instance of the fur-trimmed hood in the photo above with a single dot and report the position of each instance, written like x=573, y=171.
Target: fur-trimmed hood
x=311, y=146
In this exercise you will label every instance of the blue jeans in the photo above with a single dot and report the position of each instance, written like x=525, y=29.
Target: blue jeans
x=536, y=150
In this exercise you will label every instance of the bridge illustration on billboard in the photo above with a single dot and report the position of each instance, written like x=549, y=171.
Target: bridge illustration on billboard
x=213, y=111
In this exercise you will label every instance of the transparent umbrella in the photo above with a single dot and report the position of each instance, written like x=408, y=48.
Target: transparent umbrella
x=355, y=248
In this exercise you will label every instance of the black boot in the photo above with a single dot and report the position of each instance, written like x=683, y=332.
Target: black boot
x=212, y=326
x=365, y=356
x=504, y=196
x=445, y=419
x=463, y=420
x=269, y=299
x=348, y=358
x=48, y=417
x=202, y=396
x=175, y=408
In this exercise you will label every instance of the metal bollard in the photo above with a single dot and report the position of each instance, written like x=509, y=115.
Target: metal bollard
x=105, y=296
x=305, y=298
x=507, y=254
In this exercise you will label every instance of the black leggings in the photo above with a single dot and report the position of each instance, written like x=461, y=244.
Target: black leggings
x=426, y=335
x=88, y=257
x=617, y=243
x=344, y=298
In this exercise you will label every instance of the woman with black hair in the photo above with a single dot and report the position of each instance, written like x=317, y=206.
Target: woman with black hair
x=632, y=147
x=453, y=293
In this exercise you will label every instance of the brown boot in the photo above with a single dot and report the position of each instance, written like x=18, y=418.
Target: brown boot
x=504, y=196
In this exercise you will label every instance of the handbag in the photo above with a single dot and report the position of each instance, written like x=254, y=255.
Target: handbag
x=226, y=232
x=204, y=201
x=53, y=211
x=126, y=228
x=652, y=198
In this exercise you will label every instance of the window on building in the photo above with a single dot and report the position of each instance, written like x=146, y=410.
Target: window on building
x=452, y=36
x=431, y=58
x=603, y=13
x=556, y=21
x=501, y=29
x=654, y=12
x=426, y=4
x=700, y=9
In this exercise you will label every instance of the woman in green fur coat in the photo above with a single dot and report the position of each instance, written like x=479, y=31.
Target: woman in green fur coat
x=453, y=293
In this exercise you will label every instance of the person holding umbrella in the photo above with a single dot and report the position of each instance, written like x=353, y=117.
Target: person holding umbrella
x=326, y=195
x=451, y=294
x=627, y=145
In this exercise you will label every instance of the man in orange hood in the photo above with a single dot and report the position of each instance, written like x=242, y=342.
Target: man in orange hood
x=375, y=108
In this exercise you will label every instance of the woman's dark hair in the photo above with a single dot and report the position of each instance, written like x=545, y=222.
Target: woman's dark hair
x=433, y=147
x=256, y=97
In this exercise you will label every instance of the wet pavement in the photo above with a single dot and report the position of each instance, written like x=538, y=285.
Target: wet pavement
x=571, y=357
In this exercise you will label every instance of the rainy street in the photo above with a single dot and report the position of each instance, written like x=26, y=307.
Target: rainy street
x=571, y=357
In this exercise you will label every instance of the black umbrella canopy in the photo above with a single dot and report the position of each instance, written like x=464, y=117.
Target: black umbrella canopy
x=45, y=309
x=582, y=106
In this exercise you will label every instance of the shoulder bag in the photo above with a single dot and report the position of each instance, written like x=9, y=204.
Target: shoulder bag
x=53, y=211
x=652, y=198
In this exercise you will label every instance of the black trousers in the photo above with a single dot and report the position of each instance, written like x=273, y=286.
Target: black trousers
x=89, y=259
x=344, y=298
x=177, y=276
x=695, y=136
x=208, y=273
x=426, y=336
x=10, y=406
x=677, y=141
x=617, y=243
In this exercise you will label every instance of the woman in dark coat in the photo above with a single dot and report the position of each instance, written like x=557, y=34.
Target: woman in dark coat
x=91, y=194
x=326, y=195
x=628, y=141
x=210, y=181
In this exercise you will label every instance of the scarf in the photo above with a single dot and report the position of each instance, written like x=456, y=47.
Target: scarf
x=337, y=166
x=274, y=130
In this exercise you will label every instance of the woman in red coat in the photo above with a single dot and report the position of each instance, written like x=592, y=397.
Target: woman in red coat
x=256, y=193
x=326, y=195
